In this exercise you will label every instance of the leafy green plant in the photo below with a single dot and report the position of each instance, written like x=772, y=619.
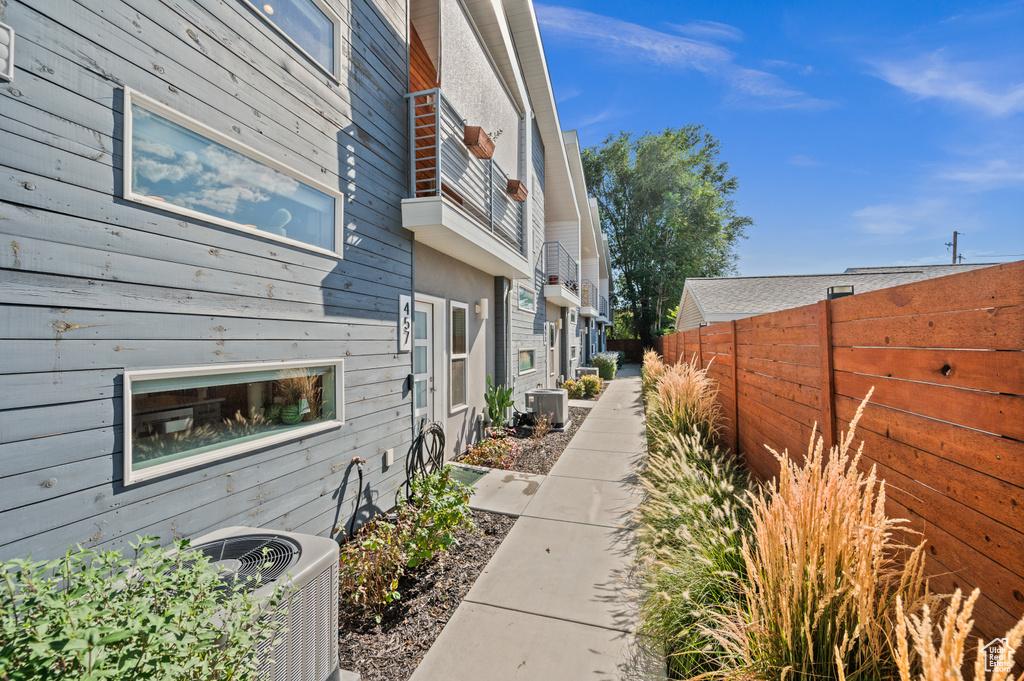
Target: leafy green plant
x=439, y=506
x=493, y=453
x=499, y=400
x=590, y=385
x=606, y=363
x=574, y=389
x=371, y=564
x=160, y=614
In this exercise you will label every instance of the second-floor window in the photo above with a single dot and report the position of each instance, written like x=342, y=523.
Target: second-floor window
x=310, y=25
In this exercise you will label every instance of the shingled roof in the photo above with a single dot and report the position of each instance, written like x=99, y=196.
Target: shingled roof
x=720, y=299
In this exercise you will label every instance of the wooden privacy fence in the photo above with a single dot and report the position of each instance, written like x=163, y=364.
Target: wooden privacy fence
x=945, y=426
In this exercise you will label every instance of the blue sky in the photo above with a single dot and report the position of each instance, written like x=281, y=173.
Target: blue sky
x=862, y=133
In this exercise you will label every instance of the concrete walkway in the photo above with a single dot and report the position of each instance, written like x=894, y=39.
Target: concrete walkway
x=554, y=601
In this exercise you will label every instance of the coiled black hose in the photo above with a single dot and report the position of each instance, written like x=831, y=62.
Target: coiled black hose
x=426, y=455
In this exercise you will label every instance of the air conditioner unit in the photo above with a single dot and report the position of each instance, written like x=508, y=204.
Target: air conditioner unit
x=550, y=402
x=309, y=565
x=586, y=371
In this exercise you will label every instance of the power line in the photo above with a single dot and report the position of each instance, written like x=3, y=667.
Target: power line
x=1004, y=255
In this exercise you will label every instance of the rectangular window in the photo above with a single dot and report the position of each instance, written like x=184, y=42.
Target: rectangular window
x=311, y=26
x=527, y=361
x=527, y=299
x=572, y=316
x=458, y=350
x=181, y=418
x=572, y=353
x=552, y=332
x=177, y=164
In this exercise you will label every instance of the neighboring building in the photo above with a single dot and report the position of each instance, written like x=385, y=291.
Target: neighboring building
x=707, y=300
x=213, y=215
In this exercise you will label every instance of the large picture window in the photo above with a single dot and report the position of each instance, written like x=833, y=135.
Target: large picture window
x=527, y=299
x=179, y=165
x=181, y=418
x=458, y=353
x=309, y=25
x=527, y=361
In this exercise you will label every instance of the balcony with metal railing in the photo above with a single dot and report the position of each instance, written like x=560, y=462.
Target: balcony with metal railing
x=561, y=275
x=602, y=310
x=460, y=204
x=589, y=299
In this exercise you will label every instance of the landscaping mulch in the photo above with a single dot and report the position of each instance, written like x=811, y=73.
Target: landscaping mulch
x=392, y=649
x=539, y=457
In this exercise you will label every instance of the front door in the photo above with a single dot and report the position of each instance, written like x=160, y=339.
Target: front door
x=552, y=354
x=423, y=363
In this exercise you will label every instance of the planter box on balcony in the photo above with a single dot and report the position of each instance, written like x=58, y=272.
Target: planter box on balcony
x=478, y=141
x=517, y=190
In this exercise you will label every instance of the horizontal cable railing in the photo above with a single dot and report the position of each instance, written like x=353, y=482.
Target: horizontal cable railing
x=442, y=165
x=588, y=297
x=560, y=267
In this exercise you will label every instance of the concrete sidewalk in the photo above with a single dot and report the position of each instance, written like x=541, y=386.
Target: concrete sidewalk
x=553, y=603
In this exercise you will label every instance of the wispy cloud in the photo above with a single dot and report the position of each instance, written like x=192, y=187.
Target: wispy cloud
x=895, y=219
x=802, y=69
x=566, y=95
x=934, y=76
x=992, y=174
x=633, y=42
x=803, y=161
x=710, y=30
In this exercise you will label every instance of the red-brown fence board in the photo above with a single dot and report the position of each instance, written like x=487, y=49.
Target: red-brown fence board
x=945, y=426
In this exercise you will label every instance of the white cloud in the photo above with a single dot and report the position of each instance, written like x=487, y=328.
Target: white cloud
x=153, y=169
x=803, y=161
x=710, y=30
x=894, y=219
x=781, y=64
x=631, y=43
x=933, y=76
x=993, y=174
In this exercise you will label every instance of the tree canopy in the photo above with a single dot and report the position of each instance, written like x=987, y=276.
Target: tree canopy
x=666, y=207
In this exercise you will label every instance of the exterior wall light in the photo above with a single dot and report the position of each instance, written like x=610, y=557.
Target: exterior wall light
x=839, y=292
x=483, y=309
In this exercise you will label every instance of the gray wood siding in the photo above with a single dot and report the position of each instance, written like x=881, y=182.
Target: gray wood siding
x=92, y=285
x=527, y=328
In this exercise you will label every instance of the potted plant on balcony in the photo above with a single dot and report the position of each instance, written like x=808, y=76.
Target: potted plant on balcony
x=479, y=142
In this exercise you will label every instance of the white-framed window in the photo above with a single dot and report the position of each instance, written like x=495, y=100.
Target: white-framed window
x=552, y=335
x=177, y=164
x=182, y=418
x=458, y=348
x=573, y=315
x=310, y=26
x=527, y=299
x=527, y=360
x=572, y=353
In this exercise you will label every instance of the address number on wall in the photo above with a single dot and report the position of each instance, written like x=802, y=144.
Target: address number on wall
x=404, y=323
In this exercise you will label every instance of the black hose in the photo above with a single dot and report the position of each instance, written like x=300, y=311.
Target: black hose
x=355, y=514
x=426, y=454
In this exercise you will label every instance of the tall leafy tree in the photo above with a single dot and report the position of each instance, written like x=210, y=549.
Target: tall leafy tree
x=665, y=201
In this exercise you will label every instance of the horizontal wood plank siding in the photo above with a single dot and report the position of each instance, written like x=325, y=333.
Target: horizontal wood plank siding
x=93, y=285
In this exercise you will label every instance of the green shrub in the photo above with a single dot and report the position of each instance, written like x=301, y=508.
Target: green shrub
x=373, y=562
x=160, y=614
x=606, y=363
x=574, y=388
x=438, y=507
x=692, y=523
x=590, y=385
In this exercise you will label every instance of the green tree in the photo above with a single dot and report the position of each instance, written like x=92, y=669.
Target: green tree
x=666, y=207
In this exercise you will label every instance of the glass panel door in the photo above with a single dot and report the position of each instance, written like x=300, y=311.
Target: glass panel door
x=423, y=363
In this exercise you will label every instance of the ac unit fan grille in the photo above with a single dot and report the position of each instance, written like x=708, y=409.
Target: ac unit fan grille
x=240, y=558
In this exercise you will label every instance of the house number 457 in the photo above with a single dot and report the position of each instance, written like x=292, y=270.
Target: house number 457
x=404, y=323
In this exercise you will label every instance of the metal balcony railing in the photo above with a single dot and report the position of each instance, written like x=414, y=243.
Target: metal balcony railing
x=588, y=295
x=441, y=165
x=603, y=310
x=560, y=267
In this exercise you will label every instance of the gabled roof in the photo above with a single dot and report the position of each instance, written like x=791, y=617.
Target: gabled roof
x=725, y=298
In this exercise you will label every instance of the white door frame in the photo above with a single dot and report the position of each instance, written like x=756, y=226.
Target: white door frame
x=439, y=394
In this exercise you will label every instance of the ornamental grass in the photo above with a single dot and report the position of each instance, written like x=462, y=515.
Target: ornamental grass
x=824, y=571
x=684, y=398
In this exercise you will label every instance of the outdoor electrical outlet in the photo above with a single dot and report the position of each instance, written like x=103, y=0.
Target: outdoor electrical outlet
x=389, y=457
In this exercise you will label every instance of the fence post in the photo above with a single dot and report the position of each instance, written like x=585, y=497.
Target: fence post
x=700, y=346
x=828, y=394
x=735, y=392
